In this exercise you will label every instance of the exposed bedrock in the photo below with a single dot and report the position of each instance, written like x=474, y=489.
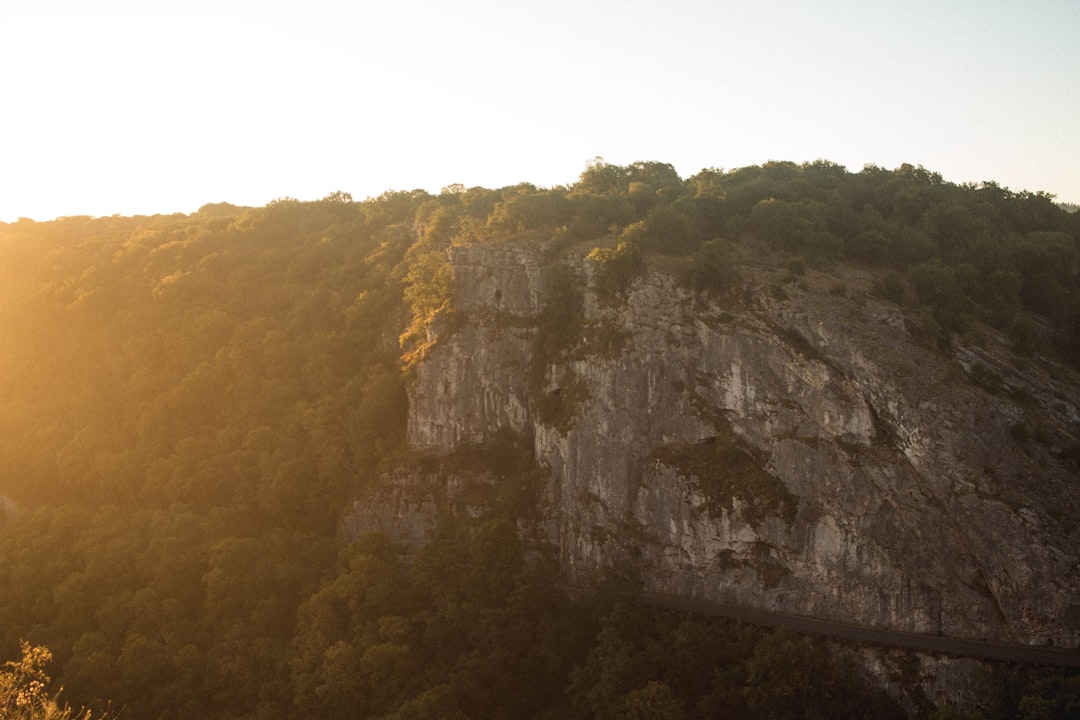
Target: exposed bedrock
x=801, y=454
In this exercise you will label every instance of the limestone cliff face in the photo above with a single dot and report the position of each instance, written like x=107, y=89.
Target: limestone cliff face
x=795, y=450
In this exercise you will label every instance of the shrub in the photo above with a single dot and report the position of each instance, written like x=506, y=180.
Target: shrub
x=725, y=471
x=24, y=689
x=616, y=268
x=712, y=269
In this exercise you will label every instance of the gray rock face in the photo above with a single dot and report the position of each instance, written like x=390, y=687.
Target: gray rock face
x=891, y=490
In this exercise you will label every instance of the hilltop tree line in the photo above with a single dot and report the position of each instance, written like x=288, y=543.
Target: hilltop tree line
x=955, y=254
x=188, y=403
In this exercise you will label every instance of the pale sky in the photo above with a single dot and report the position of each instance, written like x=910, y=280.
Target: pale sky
x=160, y=106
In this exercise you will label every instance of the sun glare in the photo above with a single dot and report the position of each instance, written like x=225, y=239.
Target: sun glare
x=142, y=109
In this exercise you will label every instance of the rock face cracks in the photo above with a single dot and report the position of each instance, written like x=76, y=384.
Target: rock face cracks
x=788, y=450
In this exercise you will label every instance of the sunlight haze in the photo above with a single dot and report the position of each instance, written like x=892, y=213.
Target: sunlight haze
x=143, y=108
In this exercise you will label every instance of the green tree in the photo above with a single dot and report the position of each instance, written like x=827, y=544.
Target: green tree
x=429, y=291
x=946, y=292
x=530, y=210
x=670, y=229
x=602, y=178
x=713, y=269
x=1046, y=262
x=616, y=268
x=652, y=183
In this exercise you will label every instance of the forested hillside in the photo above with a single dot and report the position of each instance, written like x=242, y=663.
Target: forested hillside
x=188, y=404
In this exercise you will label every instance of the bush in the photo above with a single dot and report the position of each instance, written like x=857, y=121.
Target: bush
x=24, y=689
x=890, y=287
x=616, y=268
x=713, y=269
x=726, y=471
x=796, y=267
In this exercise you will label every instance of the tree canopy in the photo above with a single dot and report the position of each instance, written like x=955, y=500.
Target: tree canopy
x=188, y=403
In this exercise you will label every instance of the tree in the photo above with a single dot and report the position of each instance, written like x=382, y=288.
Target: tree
x=24, y=689
x=1045, y=262
x=660, y=178
x=655, y=701
x=437, y=703
x=616, y=267
x=530, y=210
x=651, y=183
x=602, y=178
x=946, y=292
x=713, y=269
x=669, y=229
x=429, y=292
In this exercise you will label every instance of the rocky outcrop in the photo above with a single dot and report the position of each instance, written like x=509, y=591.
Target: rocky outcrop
x=788, y=447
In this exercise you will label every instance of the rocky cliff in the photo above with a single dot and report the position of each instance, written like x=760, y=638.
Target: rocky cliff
x=790, y=446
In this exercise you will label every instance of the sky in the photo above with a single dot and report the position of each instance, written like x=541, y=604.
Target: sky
x=161, y=106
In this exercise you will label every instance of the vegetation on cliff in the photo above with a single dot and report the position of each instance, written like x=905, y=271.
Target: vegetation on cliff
x=725, y=472
x=188, y=403
x=953, y=254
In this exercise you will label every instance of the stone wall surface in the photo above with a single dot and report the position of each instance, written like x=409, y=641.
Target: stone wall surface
x=916, y=502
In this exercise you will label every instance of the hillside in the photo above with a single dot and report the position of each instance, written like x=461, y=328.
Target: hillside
x=849, y=395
